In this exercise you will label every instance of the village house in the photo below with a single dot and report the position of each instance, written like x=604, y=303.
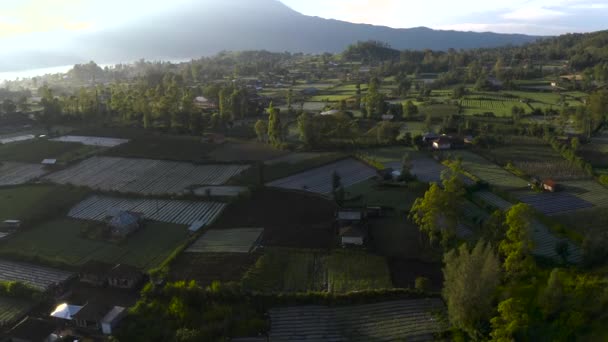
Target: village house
x=99, y=315
x=204, y=103
x=550, y=185
x=443, y=143
x=354, y=235
x=120, y=276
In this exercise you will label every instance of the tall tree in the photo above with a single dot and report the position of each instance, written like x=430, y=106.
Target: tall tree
x=274, y=125
x=471, y=279
x=517, y=246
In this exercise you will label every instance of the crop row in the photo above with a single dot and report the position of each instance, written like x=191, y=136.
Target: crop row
x=92, y=141
x=12, y=309
x=393, y=320
x=240, y=240
x=170, y=211
x=37, y=276
x=319, y=180
x=12, y=173
x=143, y=176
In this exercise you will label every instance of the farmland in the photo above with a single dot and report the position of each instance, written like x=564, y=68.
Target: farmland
x=168, y=211
x=143, y=176
x=13, y=173
x=500, y=106
x=319, y=180
x=206, y=268
x=15, y=138
x=244, y=151
x=238, y=240
x=554, y=203
x=12, y=309
x=535, y=158
x=91, y=141
x=284, y=270
x=289, y=219
x=39, y=277
x=164, y=147
x=489, y=172
x=61, y=242
x=37, y=202
x=415, y=319
x=34, y=151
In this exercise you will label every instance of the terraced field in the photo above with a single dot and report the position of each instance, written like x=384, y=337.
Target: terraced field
x=144, y=176
x=239, y=240
x=319, y=180
x=403, y=320
x=12, y=173
x=544, y=240
x=92, y=141
x=12, y=309
x=588, y=190
x=98, y=208
x=490, y=172
x=36, y=276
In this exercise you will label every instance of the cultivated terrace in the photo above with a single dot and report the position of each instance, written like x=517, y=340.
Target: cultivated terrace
x=442, y=195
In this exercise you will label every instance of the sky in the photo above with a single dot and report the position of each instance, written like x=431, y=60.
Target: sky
x=535, y=17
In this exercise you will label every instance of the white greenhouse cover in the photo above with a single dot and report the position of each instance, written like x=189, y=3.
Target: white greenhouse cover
x=65, y=311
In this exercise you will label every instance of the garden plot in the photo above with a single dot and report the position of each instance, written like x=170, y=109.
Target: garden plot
x=12, y=309
x=490, y=172
x=36, y=276
x=319, y=180
x=92, y=141
x=554, y=203
x=415, y=319
x=240, y=240
x=13, y=139
x=12, y=173
x=143, y=176
x=98, y=208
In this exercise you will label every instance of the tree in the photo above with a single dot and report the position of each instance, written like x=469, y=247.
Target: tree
x=470, y=282
x=406, y=167
x=517, y=246
x=410, y=110
x=261, y=130
x=459, y=92
x=289, y=100
x=374, y=100
x=23, y=105
x=511, y=321
x=274, y=125
x=552, y=296
x=306, y=130
x=8, y=106
x=387, y=132
x=337, y=189
x=575, y=143
x=358, y=96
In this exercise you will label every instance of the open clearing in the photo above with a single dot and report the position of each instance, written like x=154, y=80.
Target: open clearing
x=169, y=211
x=400, y=320
x=12, y=173
x=159, y=146
x=36, y=276
x=287, y=270
x=37, y=201
x=319, y=180
x=238, y=240
x=62, y=242
x=144, y=176
x=91, y=141
x=12, y=309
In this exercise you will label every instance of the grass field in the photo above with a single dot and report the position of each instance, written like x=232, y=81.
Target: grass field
x=438, y=110
x=36, y=202
x=289, y=270
x=369, y=192
x=60, y=242
x=244, y=151
x=12, y=309
x=34, y=151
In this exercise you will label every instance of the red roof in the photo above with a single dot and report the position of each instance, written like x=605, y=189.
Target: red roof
x=550, y=182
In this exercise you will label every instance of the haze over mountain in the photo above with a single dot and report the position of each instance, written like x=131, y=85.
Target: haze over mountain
x=207, y=27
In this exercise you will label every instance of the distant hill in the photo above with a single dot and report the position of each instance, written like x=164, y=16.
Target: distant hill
x=206, y=27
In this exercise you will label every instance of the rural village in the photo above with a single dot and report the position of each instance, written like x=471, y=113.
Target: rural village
x=262, y=196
